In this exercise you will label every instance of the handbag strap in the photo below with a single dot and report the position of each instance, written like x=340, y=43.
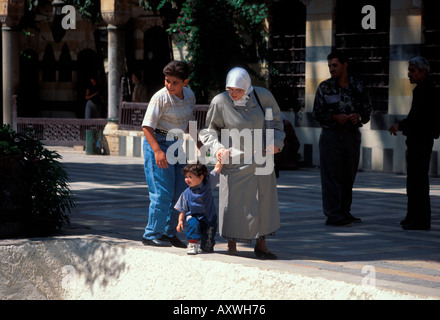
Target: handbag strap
x=258, y=100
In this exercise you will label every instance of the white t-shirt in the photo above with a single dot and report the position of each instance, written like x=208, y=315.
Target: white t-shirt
x=168, y=112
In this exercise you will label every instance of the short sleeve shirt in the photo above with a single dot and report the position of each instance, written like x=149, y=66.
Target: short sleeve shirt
x=168, y=112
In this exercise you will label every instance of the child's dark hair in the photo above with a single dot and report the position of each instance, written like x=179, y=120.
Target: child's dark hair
x=197, y=168
x=179, y=69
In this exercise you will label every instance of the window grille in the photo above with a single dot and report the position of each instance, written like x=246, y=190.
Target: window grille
x=431, y=46
x=288, y=54
x=368, y=50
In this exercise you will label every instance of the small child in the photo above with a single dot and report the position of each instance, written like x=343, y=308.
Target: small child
x=196, y=203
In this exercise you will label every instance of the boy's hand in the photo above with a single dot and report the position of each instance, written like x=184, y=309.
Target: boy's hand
x=161, y=159
x=179, y=227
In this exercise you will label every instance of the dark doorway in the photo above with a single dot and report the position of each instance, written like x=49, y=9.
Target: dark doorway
x=157, y=53
x=29, y=87
x=88, y=65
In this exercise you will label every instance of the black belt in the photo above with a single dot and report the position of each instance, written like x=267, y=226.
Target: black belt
x=160, y=131
x=164, y=133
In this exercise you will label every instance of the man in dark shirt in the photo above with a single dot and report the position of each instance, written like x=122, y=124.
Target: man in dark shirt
x=420, y=127
x=341, y=106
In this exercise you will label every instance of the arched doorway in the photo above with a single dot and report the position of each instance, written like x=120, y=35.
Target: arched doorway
x=29, y=86
x=157, y=53
x=88, y=65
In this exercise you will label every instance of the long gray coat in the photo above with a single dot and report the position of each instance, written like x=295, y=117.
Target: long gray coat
x=248, y=204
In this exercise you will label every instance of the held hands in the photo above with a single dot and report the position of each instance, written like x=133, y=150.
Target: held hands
x=222, y=155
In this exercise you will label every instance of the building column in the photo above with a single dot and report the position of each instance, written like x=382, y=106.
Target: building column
x=116, y=69
x=116, y=14
x=11, y=70
x=11, y=12
x=405, y=43
x=319, y=41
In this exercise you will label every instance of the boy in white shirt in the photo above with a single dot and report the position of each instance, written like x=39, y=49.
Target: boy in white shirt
x=170, y=108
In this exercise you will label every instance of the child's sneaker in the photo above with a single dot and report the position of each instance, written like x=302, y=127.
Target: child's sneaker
x=193, y=248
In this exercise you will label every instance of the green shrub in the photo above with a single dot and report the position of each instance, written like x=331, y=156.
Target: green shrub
x=33, y=175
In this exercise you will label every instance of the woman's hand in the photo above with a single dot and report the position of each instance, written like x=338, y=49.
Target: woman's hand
x=272, y=149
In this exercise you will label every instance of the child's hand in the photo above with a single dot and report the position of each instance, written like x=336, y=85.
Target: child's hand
x=179, y=227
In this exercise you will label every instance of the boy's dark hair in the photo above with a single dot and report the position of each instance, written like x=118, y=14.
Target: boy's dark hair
x=198, y=169
x=179, y=69
x=338, y=55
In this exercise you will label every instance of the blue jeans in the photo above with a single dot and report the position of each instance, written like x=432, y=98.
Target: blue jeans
x=164, y=187
x=203, y=231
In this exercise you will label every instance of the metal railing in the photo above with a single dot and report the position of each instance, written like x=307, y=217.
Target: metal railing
x=72, y=131
x=57, y=131
x=131, y=115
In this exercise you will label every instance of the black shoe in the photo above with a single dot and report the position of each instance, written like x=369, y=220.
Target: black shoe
x=264, y=255
x=174, y=241
x=208, y=249
x=352, y=219
x=156, y=243
x=414, y=226
x=340, y=223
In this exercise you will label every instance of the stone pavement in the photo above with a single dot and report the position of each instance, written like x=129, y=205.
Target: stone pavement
x=112, y=199
x=112, y=202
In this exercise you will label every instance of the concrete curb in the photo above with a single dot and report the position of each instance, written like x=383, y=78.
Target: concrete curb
x=81, y=268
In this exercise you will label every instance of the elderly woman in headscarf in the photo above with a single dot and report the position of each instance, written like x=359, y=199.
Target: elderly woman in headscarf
x=248, y=201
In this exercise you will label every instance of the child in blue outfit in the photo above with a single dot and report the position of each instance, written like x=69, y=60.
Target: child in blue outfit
x=196, y=203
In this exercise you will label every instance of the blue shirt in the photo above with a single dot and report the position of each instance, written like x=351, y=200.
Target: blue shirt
x=198, y=201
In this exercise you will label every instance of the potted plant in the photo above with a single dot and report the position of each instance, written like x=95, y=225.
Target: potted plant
x=35, y=198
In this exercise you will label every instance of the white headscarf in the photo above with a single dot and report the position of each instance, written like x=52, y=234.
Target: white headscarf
x=239, y=78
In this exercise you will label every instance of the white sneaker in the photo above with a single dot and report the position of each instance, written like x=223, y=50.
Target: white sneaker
x=193, y=248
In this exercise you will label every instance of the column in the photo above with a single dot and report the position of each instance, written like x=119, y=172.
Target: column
x=116, y=68
x=116, y=14
x=11, y=69
x=11, y=12
x=319, y=41
x=405, y=41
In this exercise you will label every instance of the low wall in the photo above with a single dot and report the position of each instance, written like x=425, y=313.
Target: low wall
x=91, y=269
